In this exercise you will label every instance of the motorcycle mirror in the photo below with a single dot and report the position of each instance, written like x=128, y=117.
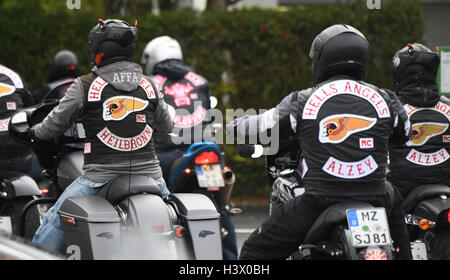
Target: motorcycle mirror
x=259, y=150
x=213, y=102
x=19, y=122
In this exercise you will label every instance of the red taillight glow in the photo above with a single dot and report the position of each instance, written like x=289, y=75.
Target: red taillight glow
x=187, y=171
x=448, y=216
x=375, y=254
x=206, y=158
x=44, y=191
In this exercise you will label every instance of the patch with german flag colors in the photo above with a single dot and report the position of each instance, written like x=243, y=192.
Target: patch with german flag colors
x=6, y=89
x=119, y=107
x=336, y=128
x=421, y=132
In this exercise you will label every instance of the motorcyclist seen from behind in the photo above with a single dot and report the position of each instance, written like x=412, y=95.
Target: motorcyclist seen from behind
x=14, y=96
x=117, y=104
x=343, y=125
x=65, y=66
x=188, y=95
x=424, y=159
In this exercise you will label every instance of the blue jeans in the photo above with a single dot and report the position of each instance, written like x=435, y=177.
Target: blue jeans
x=49, y=235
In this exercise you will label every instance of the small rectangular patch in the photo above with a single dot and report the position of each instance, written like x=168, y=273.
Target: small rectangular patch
x=141, y=119
x=87, y=148
x=366, y=143
x=11, y=106
x=445, y=138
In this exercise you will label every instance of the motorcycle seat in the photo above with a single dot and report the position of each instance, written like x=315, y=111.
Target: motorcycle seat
x=329, y=218
x=126, y=185
x=423, y=192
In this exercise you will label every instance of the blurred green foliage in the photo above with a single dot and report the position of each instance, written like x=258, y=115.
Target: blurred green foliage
x=252, y=57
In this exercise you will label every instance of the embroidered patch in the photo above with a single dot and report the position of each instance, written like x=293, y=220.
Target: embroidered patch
x=11, y=106
x=366, y=143
x=6, y=89
x=147, y=86
x=15, y=78
x=117, y=108
x=350, y=170
x=180, y=93
x=428, y=159
x=125, y=144
x=336, y=128
x=4, y=124
x=87, y=148
x=327, y=91
x=141, y=119
x=190, y=120
x=194, y=79
x=95, y=90
x=421, y=132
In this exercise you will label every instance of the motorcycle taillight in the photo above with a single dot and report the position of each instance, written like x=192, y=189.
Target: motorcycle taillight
x=206, y=158
x=448, y=216
x=375, y=254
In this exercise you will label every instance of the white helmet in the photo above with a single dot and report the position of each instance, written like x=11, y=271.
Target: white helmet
x=159, y=49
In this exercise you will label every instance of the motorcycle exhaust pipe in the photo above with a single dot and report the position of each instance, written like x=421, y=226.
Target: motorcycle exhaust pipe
x=223, y=196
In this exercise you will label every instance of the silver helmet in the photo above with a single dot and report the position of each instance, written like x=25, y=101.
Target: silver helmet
x=160, y=49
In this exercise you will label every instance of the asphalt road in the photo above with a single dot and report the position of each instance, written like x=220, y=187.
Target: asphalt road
x=247, y=221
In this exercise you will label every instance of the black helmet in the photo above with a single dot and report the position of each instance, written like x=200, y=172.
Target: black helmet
x=65, y=65
x=339, y=49
x=415, y=63
x=112, y=40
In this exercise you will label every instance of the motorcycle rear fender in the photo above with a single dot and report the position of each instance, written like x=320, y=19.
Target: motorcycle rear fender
x=431, y=208
x=19, y=185
x=200, y=215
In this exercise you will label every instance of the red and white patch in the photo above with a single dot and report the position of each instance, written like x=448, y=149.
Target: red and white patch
x=87, y=148
x=125, y=144
x=147, y=86
x=194, y=79
x=366, y=143
x=180, y=93
x=428, y=159
x=159, y=81
x=329, y=90
x=190, y=120
x=95, y=90
x=440, y=107
x=350, y=170
x=11, y=106
x=15, y=78
x=141, y=119
x=4, y=124
x=446, y=138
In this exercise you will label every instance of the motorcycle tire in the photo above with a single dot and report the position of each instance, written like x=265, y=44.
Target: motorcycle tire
x=13, y=208
x=440, y=246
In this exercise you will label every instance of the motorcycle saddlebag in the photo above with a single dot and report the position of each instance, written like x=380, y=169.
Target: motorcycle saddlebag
x=91, y=227
x=202, y=219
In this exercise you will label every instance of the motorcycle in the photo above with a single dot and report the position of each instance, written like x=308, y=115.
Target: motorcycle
x=349, y=230
x=16, y=190
x=427, y=209
x=127, y=218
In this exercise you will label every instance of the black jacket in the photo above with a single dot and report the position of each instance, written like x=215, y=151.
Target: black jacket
x=343, y=127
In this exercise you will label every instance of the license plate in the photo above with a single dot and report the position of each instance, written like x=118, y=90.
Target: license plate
x=5, y=224
x=368, y=227
x=209, y=176
x=419, y=250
